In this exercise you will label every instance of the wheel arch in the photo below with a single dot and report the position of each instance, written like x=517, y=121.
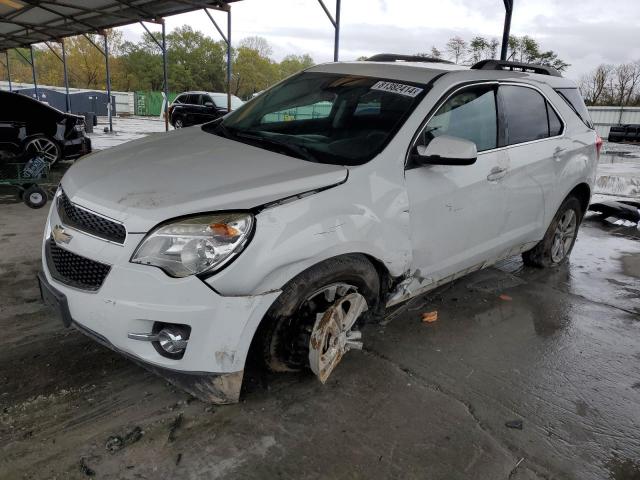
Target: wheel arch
x=582, y=192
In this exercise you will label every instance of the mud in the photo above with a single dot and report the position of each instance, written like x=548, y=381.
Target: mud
x=557, y=350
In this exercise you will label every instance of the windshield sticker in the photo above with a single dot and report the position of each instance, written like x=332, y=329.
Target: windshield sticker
x=399, y=88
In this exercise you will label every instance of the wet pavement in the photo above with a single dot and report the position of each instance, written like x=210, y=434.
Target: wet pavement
x=557, y=350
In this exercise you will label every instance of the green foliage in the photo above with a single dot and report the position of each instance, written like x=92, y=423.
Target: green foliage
x=194, y=62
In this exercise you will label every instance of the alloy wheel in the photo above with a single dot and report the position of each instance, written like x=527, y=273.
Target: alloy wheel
x=564, y=236
x=43, y=147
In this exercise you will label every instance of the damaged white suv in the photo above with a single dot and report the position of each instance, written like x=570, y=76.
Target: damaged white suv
x=345, y=189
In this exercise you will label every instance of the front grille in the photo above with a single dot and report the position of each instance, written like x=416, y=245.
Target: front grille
x=88, y=222
x=75, y=270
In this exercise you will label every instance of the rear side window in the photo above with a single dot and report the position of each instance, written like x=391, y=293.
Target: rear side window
x=574, y=99
x=555, y=124
x=193, y=99
x=469, y=114
x=525, y=114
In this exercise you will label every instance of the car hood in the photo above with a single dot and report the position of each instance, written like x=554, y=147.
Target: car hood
x=163, y=176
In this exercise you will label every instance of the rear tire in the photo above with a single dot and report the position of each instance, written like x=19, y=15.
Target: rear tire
x=554, y=249
x=285, y=331
x=35, y=197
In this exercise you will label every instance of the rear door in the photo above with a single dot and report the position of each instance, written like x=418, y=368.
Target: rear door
x=192, y=109
x=534, y=141
x=457, y=212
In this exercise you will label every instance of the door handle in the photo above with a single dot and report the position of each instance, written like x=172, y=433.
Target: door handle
x=496, y=174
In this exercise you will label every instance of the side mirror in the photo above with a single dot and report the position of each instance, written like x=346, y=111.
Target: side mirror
x=447, y=150
x=209, y=104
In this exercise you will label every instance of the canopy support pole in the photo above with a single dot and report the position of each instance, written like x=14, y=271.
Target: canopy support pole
x=227, y=40
x=229, y=63
x=63, y=59
x=336, y=26
x=6, y=56
x=66, y=75
x=508, y=6
x=106, y=59
x=165, y=77
x=33, y=72
x=162, y=45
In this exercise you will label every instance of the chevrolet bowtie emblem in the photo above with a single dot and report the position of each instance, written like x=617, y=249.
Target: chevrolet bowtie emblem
x=60, y=236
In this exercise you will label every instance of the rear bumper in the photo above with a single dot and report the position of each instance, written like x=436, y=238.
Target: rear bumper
x=76, y=147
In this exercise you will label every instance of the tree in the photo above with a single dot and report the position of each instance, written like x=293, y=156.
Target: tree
x=435, y=53
x=252, y=72
x=456, y=47
x=259, y=44
x=293, y=64
x=593, y=86
x=625, y=80
x=493, y=48
x=478, y=47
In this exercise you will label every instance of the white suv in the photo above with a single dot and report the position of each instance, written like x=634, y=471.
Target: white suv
x=345, y=189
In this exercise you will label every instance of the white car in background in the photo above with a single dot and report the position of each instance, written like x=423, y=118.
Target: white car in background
x=343, y=190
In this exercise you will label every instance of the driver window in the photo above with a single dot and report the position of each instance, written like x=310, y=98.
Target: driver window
x=469, y=114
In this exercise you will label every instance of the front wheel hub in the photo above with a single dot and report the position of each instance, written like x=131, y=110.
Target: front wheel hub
x=332, y=335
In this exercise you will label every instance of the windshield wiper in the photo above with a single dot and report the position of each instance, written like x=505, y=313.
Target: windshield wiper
x=298, y=150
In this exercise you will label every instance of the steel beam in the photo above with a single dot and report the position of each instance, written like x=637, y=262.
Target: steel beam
x=508, y=6
x=336, y=27
x=106, y=57
x=63, y=59
x=33, y=72
x=229, y=62
x=162, y=45
x=164, y=74
x=66, y=76
x=227, y=40
x=6, y=55
x=336, y=41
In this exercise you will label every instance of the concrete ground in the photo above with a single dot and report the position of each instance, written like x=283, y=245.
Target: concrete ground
x=556, y=350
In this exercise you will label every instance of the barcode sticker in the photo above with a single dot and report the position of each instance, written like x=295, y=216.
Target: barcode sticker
x=399, y=88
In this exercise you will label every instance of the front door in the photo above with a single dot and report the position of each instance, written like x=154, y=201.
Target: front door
x=457, y=212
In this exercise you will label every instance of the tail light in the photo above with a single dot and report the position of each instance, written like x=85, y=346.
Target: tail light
x=598, y=145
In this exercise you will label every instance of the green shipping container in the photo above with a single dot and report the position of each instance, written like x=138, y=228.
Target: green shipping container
x=150, y=103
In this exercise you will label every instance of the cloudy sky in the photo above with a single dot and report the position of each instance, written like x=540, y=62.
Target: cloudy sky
x=584, y=33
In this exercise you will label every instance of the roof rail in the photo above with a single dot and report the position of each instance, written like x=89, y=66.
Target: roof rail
x=516, y=67
x=392, y=57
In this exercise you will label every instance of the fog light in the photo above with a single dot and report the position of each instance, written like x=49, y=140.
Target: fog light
x=172, y=340
x=169, y=339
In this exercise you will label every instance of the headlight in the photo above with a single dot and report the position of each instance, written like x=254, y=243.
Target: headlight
x=194, y=245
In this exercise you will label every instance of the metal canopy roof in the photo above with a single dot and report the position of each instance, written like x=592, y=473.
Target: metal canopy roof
x=25, y=22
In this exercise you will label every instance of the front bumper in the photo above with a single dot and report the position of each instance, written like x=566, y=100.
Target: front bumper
x=219, y=388
x=133, y=297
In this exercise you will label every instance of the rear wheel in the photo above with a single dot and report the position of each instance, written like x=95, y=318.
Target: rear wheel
x=45, y=147
x=555, y=248
x=312, y=323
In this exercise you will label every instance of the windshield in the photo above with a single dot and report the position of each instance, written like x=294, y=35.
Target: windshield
x=221, y=101
x=324, y=117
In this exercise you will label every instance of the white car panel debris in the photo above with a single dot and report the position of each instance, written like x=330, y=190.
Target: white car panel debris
x=284, y=226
